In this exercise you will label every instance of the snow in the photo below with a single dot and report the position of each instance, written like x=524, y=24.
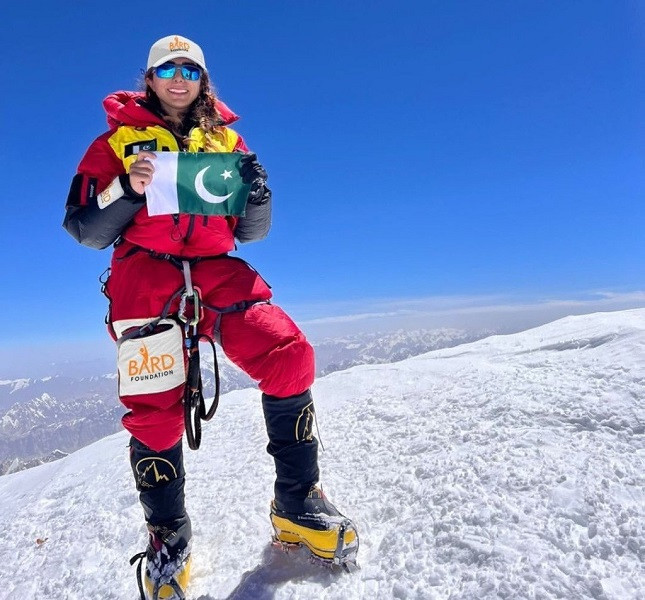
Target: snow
x=511, y=467
x=17, y=384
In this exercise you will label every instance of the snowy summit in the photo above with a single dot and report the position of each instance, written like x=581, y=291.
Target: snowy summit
x=511, y=467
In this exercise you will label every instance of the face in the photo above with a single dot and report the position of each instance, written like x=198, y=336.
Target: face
x=175, y=94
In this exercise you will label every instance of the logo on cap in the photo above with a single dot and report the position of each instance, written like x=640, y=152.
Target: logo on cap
x=179, y=45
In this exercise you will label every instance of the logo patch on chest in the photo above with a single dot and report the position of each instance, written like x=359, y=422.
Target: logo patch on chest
x=136, y=147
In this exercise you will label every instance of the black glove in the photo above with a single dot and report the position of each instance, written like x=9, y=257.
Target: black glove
x=129, y=193
x=254, y=173
x=251, y=169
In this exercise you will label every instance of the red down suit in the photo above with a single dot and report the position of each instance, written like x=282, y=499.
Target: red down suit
x=255, y=334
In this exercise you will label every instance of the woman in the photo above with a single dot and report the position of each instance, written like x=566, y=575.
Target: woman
x=156, y=262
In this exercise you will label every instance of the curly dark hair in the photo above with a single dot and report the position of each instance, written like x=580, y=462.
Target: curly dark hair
x=202, y=112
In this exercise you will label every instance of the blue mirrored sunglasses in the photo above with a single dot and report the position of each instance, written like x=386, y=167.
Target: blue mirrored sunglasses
x=188, y=71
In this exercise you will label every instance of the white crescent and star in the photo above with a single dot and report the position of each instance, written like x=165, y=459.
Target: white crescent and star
x=204, y=194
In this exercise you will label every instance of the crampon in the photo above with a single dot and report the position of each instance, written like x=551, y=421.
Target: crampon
x=330, y=537
x=345, y=560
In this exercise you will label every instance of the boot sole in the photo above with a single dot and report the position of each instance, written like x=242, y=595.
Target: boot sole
x=325, y=545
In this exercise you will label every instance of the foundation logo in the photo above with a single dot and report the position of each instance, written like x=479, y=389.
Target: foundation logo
x=154, y=471
x=152, y=363
x=150, y=367
x=305, y=424
x=179, y=45
x=105, y=197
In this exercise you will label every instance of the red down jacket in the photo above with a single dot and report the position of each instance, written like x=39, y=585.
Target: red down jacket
x=256, y=335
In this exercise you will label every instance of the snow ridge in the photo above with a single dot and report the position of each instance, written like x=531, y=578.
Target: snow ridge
x=66, y=412
x=511, y=467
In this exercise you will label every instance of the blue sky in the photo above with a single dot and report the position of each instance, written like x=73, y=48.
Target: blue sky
x=415, y=149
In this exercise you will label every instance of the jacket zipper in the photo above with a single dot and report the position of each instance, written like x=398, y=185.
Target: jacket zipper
x=191, y=225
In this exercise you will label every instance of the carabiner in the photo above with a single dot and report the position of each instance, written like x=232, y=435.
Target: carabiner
x=197, y=308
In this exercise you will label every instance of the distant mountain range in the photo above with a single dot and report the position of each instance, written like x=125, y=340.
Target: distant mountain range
x=44, y=419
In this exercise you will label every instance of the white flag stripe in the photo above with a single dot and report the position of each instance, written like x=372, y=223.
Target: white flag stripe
x=161, y=194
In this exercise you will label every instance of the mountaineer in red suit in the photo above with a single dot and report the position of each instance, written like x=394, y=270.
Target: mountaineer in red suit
x=179, y=112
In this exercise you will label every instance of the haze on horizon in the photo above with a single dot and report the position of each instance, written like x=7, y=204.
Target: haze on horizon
x=94, y=354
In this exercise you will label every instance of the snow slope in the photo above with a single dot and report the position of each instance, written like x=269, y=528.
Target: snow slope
x=40, y=419
x=512, y=467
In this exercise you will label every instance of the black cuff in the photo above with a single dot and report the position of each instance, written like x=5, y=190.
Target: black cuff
x=130, y=194
x=259, y=196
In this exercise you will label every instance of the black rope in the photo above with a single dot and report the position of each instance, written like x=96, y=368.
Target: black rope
x=207, y=415
x=194, y=404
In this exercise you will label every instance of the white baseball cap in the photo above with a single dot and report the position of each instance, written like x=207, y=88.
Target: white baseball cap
x=175, y=46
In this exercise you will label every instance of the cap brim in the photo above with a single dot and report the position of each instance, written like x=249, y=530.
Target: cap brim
x=176, y=54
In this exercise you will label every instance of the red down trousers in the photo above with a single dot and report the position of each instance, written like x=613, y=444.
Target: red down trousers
x=262, y=340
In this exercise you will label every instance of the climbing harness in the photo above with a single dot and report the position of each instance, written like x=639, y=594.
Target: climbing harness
x=189, y=314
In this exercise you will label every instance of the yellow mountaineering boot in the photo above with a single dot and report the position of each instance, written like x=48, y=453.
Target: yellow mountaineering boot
x=166, y=575
x=326, y=533
x=166, y=585
x=300, y=513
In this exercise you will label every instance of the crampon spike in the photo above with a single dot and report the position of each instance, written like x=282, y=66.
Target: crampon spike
x=344, y=559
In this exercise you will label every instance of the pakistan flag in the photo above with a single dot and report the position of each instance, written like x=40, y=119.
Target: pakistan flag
x=197, y=183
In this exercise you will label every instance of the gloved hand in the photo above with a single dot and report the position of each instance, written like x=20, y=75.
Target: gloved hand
x=254, y=173
x=251, y=169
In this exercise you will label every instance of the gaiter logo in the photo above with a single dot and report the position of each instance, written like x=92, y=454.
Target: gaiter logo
x=154, y=471
x=305, y=424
